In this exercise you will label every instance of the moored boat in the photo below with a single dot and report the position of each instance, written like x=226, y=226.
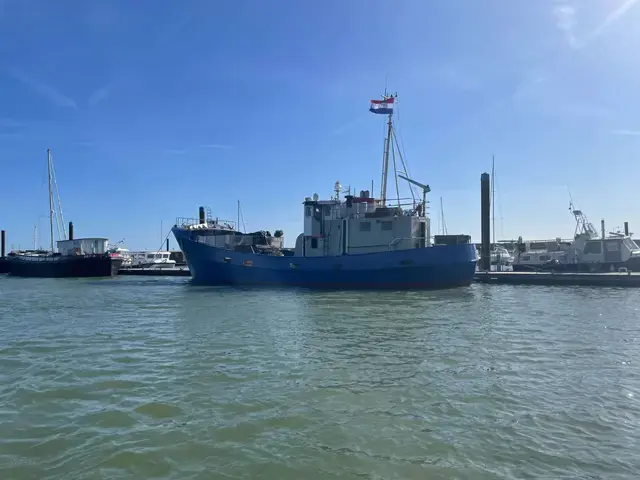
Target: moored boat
x=82, y=257
x=587, y=252
x=349, y=241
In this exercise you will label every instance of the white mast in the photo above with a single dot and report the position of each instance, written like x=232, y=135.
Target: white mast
x=385, y=164
x=387, y=149
x=50, y=197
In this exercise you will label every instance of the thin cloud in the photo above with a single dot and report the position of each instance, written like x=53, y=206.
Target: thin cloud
x=565, y=12
x=613, y=16
x=98, y=96
x=43, y=89
x=627, y=133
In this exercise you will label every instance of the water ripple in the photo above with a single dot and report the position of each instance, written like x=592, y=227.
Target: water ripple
x=137, y=378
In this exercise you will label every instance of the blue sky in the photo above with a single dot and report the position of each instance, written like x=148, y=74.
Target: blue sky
x=154, y=107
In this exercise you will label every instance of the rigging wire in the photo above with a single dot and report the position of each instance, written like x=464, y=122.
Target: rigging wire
x=43, y=206
x=62, y=233
x=163, y=243
x=244, y=227
x=444, y=223
x=402, y=152
x=406, y=170
x=56, y=205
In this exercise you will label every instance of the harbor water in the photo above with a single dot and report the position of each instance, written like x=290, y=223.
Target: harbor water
x=136, y=377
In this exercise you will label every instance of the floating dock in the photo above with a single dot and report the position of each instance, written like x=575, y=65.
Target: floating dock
x=156, y=272
x=614, y=279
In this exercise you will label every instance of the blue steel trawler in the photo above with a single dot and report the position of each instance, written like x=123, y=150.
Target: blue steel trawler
x=356, y=241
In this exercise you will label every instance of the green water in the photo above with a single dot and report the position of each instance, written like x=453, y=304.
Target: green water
x=153, y=378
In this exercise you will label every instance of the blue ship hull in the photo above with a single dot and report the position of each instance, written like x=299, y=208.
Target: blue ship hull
x=433, y=267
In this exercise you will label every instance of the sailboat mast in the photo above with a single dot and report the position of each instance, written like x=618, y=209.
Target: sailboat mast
x=493, y=192
x=444, y=227
x=385, y=164
x=50, y=198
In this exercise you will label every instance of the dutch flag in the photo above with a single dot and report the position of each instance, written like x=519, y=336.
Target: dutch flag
x=382, y=106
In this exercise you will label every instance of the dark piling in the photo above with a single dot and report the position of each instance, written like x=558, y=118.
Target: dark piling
x=485, y=221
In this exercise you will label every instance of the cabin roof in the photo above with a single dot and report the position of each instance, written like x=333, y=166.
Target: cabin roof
x=86, y=238
x=320, y=202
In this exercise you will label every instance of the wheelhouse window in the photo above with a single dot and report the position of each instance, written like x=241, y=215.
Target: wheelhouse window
x=314, y=243
x=593, y=248
x=612, y=245
x=365, y=226
x=386, y=226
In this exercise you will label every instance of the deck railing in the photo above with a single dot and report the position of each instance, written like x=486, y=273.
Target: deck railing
x=49, y=258
x=189, y=222
x=394, y=243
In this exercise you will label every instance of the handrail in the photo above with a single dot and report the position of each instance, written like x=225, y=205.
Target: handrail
x=187, y=222
x=49, y=257
x=397, y=240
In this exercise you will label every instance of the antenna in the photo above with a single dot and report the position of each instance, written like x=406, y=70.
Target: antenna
x=337, y=188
